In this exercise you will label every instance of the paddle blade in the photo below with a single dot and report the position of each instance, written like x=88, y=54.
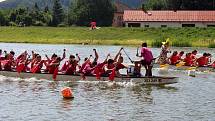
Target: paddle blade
x=164, y=66
x=55, y=74
x=191, y=68
x=112, y=75
x=180, y=64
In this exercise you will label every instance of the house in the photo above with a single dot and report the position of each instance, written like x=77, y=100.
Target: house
x=118, y=14
x=139, y=18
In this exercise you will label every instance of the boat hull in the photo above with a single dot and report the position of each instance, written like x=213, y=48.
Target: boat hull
x=155, y=80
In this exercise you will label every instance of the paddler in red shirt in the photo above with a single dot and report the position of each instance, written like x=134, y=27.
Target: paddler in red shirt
x=53, y=65
x=202, y=61
x=37, y=64
x=119, y=62
x=188, y=60
x=174, y=59
x=180, y=55
x=109, y=67
x=70, y=66
x=9, y=62
x=193, y=55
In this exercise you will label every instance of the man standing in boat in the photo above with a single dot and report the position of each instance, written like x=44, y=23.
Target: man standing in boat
x=147, y=56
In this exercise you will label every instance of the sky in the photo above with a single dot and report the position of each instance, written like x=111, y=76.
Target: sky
x=2, y=0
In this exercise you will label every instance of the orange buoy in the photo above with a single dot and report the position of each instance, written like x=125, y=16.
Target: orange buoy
x=67, y=92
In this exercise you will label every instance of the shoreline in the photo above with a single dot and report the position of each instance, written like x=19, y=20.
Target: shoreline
x=180, y=37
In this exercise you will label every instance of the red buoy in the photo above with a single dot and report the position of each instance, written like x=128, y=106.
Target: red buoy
x=67, y=92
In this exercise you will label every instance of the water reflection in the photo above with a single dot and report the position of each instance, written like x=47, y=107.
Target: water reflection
x=66, y=104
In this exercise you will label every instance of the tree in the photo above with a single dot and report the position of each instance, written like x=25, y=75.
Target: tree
x=58, y=14
x=46, y=9
x=2, y=19
x=156, y=4
x=82, y=12
x=174, y=4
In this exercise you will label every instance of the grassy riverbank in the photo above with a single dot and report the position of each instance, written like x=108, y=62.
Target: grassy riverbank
x=180, y=37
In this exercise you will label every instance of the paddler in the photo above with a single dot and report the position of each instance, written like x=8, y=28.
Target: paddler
x=174, y=58
x=165, y=49
x=119, y=63
x=69, y=66
x=37, y=64
x=53, y=65
x=147, y=60
x=202, y=61
x=9, y=61
x=193, y=54
x=188, y=60
x=180, y=55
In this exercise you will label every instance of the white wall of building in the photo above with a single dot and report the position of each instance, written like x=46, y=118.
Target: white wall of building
x=171, y=24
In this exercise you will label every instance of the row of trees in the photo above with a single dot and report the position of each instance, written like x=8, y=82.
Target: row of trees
x=180, y=5
x=80, y=12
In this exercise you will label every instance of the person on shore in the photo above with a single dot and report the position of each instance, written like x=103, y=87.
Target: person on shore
x=147, y=59
x=93, y=25
x=163, y=59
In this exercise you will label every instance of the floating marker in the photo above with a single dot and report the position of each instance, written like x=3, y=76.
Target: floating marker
x=67, y=93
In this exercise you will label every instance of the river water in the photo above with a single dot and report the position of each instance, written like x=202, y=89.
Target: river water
x=193, y=98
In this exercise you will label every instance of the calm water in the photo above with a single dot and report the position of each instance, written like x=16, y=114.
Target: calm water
x=30, y=99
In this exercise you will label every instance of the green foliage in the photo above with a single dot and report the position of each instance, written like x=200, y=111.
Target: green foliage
x=3, y=20
x=201, y=37
x=58, y=15
x=181, y=4
x=82, y=12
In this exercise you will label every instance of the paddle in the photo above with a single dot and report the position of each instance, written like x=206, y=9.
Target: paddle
x=128, y=56
x=55, y=74
x=20, y=68
x=137, y=52
x=112, y=75
x=181, y=63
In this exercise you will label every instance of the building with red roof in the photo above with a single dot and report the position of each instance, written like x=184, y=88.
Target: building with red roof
x=139, y=18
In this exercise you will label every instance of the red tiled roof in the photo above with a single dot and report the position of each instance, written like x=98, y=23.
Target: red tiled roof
x=178, y=16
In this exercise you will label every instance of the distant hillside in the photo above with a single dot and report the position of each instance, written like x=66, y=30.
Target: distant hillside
x=30, y=3
x=65, y=3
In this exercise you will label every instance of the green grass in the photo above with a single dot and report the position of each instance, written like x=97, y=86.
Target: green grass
x=180, y=37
